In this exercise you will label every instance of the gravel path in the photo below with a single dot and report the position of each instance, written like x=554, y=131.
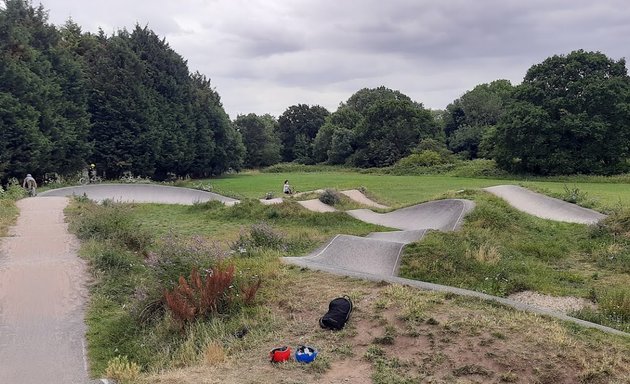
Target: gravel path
x=42, y=298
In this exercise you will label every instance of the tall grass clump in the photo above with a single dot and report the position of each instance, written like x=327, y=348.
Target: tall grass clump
x=110, y=221
x=613, y=309
x=175, y=255
x=612, y=235
x=8, y=209
x=259, y=236
x=122, y=370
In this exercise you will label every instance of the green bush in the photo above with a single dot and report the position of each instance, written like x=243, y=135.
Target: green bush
x=425, y=158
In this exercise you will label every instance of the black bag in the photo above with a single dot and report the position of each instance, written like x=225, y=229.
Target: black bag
x=339, y=311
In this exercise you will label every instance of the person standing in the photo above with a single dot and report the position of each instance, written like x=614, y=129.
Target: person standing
x=30, y=184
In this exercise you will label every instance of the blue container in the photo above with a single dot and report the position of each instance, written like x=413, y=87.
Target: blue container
x=305, y=354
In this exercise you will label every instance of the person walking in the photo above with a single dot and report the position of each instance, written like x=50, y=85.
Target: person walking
x=30, y=184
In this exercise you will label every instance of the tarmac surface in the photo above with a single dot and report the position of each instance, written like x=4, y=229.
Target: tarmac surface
x=544, y=206
x=379, y=253
x=42, y=298
x=140, y=193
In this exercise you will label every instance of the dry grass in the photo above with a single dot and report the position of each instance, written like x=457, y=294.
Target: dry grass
x=486, y=253
x=214, y=354
x=409, y=336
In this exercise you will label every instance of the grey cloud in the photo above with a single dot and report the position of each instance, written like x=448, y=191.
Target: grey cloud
x=265, y=55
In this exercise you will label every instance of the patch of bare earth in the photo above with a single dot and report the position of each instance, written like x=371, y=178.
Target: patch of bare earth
x=404, y=335
x=564, y=304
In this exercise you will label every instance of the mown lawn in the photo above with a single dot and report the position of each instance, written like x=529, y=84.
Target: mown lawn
x=404, y=190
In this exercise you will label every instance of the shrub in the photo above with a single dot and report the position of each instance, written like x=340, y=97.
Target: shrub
x=122, y=370
x=111, y=221
x=330, y=197
x=260, y=235
x=175, y=256
x=204, y=296
x=425, y=158
x=13, y=190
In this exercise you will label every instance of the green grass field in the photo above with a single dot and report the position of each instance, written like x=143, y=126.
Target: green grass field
x=403, y=190
x=499, y=251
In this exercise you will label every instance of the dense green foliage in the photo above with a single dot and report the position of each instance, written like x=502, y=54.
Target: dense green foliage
x=44, y=123
x=374, y=128
x=260, y=137
x=570, y=115
x=471, y=117
x=125, y=102
x=298, y=126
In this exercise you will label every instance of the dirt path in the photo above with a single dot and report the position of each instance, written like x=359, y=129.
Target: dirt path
x=42, y=298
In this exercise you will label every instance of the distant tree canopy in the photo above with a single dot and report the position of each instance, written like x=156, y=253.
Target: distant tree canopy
x=471, y=117
x=374, y=128
x=297, y=127
x=570, y=115
x=260, y=136
x=125, y=102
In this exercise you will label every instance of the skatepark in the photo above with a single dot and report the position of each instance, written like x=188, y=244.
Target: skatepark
x=44, y=247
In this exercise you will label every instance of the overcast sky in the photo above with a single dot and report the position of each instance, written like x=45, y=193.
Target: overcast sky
x=266, y=55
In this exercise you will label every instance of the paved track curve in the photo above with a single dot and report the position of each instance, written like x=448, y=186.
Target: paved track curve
x=544, y=206
x=140, y=193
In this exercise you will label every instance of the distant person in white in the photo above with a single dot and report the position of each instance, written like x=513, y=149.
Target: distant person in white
x=30, y=184
x=286, y=189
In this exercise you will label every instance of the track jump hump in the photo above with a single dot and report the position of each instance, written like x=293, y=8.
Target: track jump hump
x=140, y=193
x=444, y=215
x=544, y=206
x=379, y=253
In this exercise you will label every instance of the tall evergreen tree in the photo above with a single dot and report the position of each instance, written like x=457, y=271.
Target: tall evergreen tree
x=40, y=80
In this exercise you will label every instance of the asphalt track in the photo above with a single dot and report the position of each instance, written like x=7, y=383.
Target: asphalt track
x=379, y=253
x=140, y=193
x=544, y=206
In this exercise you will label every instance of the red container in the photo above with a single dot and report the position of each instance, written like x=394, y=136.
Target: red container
x=280, y=354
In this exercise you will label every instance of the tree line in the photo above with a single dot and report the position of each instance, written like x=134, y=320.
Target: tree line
x=128, y=103
x=570, y=115
x=125, y=102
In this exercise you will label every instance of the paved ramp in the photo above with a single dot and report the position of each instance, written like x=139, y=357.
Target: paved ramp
x=140, y=193
x=444, y=215
x=544, y=206
x=379, y=253
x=359, y=254
x=317, y=206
